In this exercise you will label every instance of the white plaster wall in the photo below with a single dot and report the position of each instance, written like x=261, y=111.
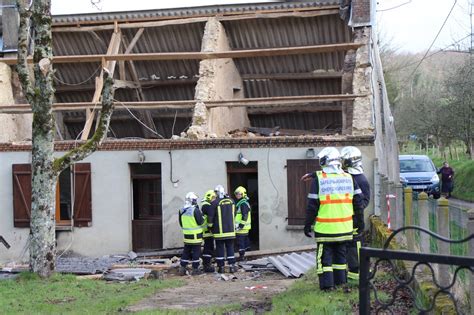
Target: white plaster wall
x=196, y=170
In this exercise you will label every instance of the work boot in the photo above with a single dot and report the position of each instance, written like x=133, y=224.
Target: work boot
x=182, y=271
x=220, y=269
x=196, y=272
x=209, y=268
x=232, y=268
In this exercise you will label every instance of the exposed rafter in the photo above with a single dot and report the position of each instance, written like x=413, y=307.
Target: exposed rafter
x=249, y=53
x=245, y=102
x=330, y=10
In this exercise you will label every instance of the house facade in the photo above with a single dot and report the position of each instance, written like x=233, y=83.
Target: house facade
x=198, y=88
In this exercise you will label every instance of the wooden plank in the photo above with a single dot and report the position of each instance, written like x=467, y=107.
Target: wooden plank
x=156, y=22
x=113, y=48
x=134, y=41
x=245, y=102
x=249, y=53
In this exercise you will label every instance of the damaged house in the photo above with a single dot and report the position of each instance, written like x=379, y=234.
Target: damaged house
x=230, y=94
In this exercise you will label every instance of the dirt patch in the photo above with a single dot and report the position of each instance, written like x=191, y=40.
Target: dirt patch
x=210, y=290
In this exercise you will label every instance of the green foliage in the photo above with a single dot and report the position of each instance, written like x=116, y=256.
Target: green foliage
x=64, y=294
x=304, y=297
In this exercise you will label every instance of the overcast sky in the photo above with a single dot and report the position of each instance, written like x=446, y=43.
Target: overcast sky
x=410, y=25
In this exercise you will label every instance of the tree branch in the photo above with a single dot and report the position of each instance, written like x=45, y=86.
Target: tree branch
x=22, y=67
x=100, y=134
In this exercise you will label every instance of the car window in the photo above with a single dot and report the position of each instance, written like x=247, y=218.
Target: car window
x=407, y=166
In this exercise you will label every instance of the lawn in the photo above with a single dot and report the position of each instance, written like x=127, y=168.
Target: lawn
x=65, y=294
x=304, y=297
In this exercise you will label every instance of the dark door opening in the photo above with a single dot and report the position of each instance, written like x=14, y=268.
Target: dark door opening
x=147, y=226
x=246, y=176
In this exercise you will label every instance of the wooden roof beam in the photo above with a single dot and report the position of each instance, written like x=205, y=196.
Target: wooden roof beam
x=330, y=10
x=249, y=53
x=244, y=102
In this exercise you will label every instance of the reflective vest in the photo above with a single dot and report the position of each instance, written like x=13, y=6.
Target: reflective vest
x=205, y=230
x=334, y=219
x=238, y=217
x=225, y=212
x=192, y=232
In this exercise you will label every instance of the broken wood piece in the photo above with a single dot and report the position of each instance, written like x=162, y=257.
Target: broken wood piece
x=90, y=277
x=149, y=267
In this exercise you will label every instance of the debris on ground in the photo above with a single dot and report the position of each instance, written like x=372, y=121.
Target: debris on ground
x=256, y=287
x=292, y=265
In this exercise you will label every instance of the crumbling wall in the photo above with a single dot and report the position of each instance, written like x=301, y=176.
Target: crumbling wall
x=362, y=121
x=13, y=127
x=218, y=79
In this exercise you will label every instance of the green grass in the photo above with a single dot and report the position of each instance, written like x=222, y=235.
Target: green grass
x=463, y=177
x=304, y=297
x=64, y=294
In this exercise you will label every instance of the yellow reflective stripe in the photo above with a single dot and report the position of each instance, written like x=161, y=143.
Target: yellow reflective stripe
x=221, y=235
x=334, y=239
x=358, y=250
x=194, y=241
x=339, y=266
x=327, y=269
x=219, y=213
x=318, y=259
x=353, y=275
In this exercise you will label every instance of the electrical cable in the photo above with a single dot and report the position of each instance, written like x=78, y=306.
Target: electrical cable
x=436, y=37
x=79, y=83
x=270, y=174
x=395, y=7
x=174, y=122
x=430, y=55
x=137, y=119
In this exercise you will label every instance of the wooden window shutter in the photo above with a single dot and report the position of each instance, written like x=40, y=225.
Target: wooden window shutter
x=82, y=195
x=21, y=195
x=298, y=190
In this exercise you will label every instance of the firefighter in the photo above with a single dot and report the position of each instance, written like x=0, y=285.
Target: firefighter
x=352, y=164
x=242, y=220
x=191, y=220
x=222, y=224
x=208, y=252
x=332, y=201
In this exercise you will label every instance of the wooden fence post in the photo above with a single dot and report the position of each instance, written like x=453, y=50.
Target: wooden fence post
x=424, y=213
x=470, y=231
x=408, y=192
x=443, y=247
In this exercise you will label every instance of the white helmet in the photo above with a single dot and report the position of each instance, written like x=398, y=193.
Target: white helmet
x=329, y=156
x=190, y=199
x=351, y=157
x=220, y=191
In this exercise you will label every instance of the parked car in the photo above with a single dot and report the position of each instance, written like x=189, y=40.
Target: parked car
x=419, y=173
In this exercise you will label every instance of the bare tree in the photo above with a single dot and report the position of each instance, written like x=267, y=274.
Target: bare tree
x=36, y=20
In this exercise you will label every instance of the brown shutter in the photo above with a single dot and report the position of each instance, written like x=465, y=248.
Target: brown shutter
x=82, y=195
x=297, y=189
x=21, y=195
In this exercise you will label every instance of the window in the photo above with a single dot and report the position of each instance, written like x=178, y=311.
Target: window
x=298, y=190
x=72, y=187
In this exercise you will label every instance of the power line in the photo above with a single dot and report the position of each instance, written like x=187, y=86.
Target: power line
x=436, y=37
x=395, y=7
x=432, y=54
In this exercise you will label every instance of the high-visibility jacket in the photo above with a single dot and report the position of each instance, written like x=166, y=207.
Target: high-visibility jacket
x=334, y=218
x=223, y=221
x=206, y=231
x=243, y=211
x=192, y=231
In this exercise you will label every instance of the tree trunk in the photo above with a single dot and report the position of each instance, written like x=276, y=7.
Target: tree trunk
x=45, y=168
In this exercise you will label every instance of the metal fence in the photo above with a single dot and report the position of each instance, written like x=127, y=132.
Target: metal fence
x=403, y=208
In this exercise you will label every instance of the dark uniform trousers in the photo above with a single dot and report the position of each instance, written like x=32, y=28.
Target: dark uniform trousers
x=243, y=243
x=331, y=264
x=224, y=247
x=353, y=248
x=191, y=254
x=208, y=250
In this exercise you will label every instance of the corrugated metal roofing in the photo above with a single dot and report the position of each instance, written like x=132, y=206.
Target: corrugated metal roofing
x=299, y=120
x=267, y=88
x=290, y=265
x=189, y=12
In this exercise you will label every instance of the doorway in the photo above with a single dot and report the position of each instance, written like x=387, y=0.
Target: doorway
x=246, y=176
x=147, y=225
